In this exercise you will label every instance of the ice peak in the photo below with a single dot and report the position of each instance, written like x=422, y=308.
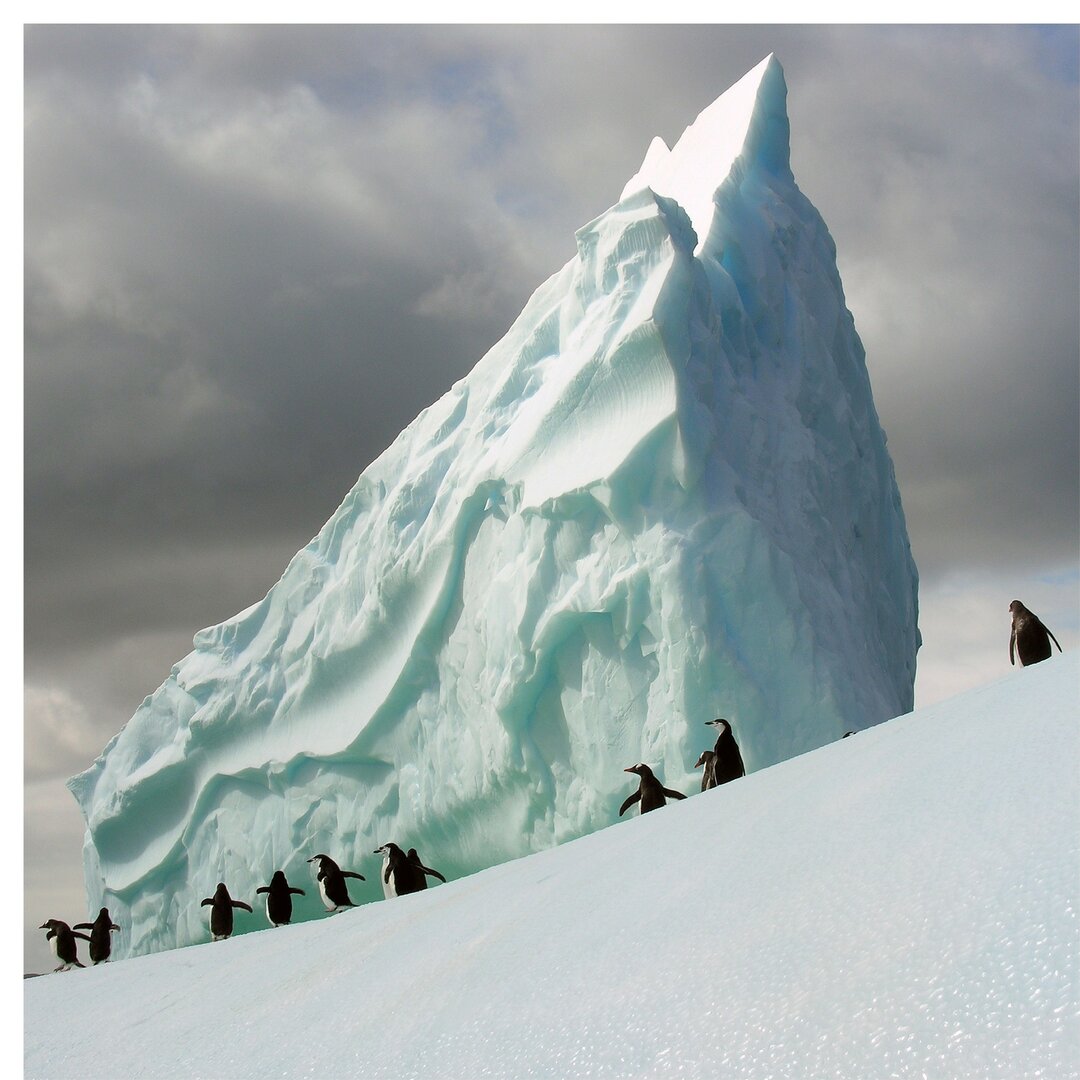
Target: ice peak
x=749, y=120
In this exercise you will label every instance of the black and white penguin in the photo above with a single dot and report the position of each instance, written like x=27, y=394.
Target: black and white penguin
x=279, y=896
x=414, y=856
x=64, y=946
x=221, y=913
x=100, y=935
x=651, y=793
x=401, y=873
x=331, y=879
x=1030, y=639
x=728, y=763
x=708, y=777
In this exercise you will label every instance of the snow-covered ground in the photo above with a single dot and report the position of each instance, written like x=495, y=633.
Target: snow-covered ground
x=902, y=903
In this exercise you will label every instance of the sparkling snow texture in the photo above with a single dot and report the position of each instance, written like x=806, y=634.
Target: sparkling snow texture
x=902, y=904
x=663, y=496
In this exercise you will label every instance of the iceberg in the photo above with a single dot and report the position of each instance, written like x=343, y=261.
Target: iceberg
x=662, y=497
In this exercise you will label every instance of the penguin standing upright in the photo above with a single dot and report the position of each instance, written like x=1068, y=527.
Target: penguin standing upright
x=331, y=879
x=1029, y=640
x=651, y=793
x=279, y=896
x=728, y=763
x=401, y=874
x=221, y=913
x=100, y=935
x=64, y=946
x=708, y=777
x=414, y=857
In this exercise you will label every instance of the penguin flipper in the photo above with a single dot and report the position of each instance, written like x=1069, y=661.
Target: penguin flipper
x=83, y=936
x=300, y=891
x=1012, y=647
x=262, y=888
x=240, y=903
x=630, y=800
x=113, y=926
x=208, y=900
x=386, y=875
x=673, y=794
x=433, y=873
x=349, y=873
x=1052, y=638
x=83, y=926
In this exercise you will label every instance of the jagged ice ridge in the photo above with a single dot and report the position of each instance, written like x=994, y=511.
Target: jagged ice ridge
x=663, y=496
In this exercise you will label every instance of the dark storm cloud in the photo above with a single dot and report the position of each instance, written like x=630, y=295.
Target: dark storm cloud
x=957, y=227
x=234, y=302
x=254, y=254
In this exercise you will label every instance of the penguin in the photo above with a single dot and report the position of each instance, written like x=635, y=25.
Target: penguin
x=650, y=791
x=389, y=884
x=332, y=887
x=279, y=899
x=1030, y=639
x=64, y=946
x=708, y=777
x=100, y=936
x=414, y=857
x=401, y=873
x=728, y=763
x=221, y=913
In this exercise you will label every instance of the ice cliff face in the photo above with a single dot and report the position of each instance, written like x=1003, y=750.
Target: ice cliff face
x=663, y=496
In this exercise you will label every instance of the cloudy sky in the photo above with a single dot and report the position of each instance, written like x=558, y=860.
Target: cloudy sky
x=252, y=255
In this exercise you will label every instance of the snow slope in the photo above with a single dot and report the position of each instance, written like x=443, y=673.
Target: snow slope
x=663, y=496
x=902, y=903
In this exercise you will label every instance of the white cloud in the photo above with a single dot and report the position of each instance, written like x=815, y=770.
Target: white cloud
x=59, y=735
x=463, y=295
